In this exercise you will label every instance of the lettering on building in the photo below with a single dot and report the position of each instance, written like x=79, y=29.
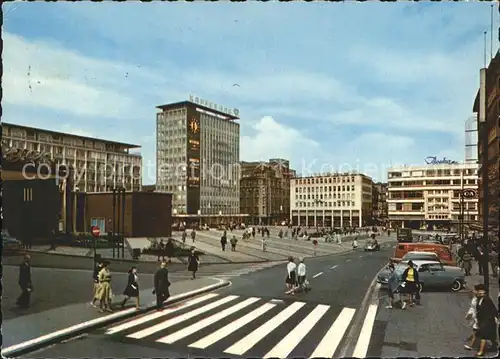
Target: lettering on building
x=202, y=102
x=433, y=160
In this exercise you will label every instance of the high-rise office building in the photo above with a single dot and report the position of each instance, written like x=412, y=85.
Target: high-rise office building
x=197, y=159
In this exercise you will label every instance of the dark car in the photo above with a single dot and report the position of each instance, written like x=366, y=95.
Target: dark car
x=372, y=245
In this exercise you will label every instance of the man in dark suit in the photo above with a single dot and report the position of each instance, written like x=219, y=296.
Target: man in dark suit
x=162, y=284
x=25, y=283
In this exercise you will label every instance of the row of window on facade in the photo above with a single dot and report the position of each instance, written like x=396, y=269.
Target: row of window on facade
x=321, y=180
x=326, y=204
x=323, y=189
x=420, y=194
x=326, y=196
x=433, y=173
x=71, y=153
x=34, y=138
x=456, y=182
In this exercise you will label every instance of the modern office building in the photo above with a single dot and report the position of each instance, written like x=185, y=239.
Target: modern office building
x=265, y=191
x=98, y=165
x=197, y=159
x=491, y=119
x=331, y=200
x=380, y=202
x=429, y=196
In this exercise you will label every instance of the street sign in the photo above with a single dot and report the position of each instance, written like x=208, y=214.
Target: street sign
x=96, y=231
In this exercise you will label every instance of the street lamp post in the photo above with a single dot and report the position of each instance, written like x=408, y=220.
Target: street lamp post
x=465, y=193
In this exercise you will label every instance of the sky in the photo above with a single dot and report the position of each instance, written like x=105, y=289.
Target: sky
x=329, y=86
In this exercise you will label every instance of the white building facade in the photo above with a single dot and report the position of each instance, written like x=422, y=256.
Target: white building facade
x=331, y=200
x=197, y=159
x=429, y=196
x=99, y=165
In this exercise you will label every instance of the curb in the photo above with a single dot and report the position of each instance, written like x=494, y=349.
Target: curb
x=31, y=345
x=350, y=340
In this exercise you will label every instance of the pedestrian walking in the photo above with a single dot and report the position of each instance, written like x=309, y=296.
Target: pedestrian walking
x=487, y=320
x=223, y=242
x=95, y=276
x=302, y=276
x=494, y=262
x=410, y=280
x=23, y=301
x=193, y=263
x=161, y=250
x=193, y=235
x=105, y=293
x=169, y=249
x=291, y=276
x=184, y=235
x=161, y=286
x=132, y=288
x=264, y=246
x=467, y=262
x=233, y=243
x=392, y=284
x=472, y=317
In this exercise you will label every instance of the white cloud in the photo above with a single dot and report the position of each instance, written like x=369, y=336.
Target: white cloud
x=44, y=75
x=273, y=139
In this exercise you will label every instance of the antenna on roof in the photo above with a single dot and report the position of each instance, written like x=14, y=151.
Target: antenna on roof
x=491, y=32
x=485, y=49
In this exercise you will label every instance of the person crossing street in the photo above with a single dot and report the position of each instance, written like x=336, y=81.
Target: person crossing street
x=302, y=276
x=23, y=301
x=161, y=286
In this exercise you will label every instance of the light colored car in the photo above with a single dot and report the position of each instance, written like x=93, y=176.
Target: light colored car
x=372, y=245
x=417, y=255
x=432, y=274
x=10, y=244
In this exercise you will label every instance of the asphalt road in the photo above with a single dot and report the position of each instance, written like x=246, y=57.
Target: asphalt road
x=54, y=288
x=242, y=320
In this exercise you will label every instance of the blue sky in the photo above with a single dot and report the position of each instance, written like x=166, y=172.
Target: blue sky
x=326, y=85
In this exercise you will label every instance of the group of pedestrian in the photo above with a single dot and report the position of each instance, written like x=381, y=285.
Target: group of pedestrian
x=408, y=284
x=296, y=277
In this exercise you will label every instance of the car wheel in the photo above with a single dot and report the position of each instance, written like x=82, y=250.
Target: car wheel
x=456, y=285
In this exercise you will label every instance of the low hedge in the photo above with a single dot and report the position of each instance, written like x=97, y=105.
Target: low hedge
x=178, y=251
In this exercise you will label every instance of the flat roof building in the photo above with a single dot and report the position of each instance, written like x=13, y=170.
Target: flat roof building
x=331, y=200
x=99, y=165
x=197, y=159
x=428, y=196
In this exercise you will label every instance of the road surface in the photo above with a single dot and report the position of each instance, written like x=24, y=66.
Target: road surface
x=251, y=318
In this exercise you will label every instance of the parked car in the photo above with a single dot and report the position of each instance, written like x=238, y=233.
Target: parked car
x=372, y=245
x=422, y=256
x=442, y=251
x=432, y=274
x=10, y=244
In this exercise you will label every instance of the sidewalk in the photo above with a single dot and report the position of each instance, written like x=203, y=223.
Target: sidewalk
x=38, y=328
x=437, y=328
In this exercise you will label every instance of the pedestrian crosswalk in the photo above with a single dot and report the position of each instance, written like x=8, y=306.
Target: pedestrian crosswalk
x=242, y=326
